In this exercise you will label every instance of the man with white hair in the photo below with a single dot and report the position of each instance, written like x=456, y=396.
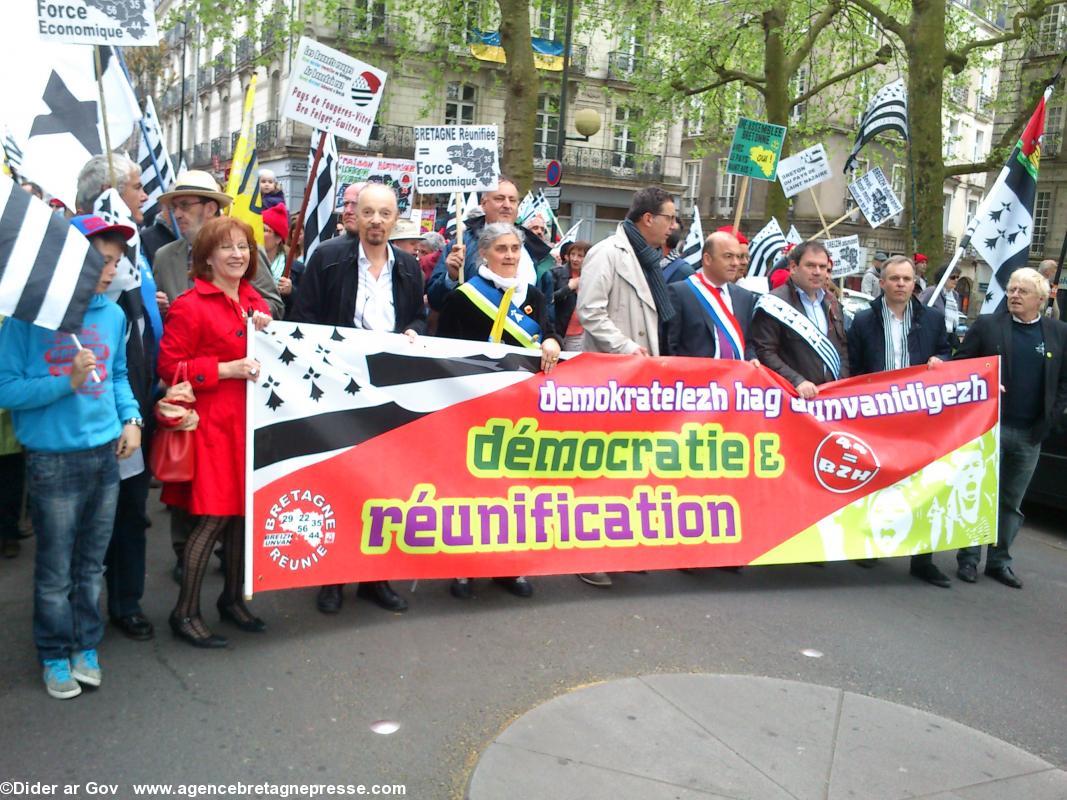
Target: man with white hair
x=1034, y=395
x=1048, y=268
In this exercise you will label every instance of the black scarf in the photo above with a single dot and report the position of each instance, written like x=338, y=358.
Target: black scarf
x=649, y=258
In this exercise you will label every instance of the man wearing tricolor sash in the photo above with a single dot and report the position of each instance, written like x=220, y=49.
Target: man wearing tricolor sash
x=712, y=313
x=798, y=329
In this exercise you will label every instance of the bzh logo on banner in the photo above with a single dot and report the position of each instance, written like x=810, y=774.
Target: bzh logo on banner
x=364, y=88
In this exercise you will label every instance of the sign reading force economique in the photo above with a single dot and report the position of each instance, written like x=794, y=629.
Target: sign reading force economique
x=456, y=158
x=129, y=24
x=333, y=92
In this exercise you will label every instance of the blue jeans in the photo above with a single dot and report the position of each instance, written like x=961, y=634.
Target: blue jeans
x=72, y=504
x=1018, y=460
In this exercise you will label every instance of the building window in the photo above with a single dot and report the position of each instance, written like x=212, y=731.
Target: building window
x=979, y=147
x=799, y=85
x=459, y=104
x=946, y=212
x=972, y=210
x=694, y=121
x=275, y=94
x=727, y=190
x=1050, y=142
x=690, y=200
x=624, y=140
x=1042, y=205
x=549, y=21
x=1050, y=37
x=952, y=139
x=898, y=182
x=546, y=134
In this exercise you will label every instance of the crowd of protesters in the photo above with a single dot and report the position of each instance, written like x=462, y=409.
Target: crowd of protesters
x=80, y=418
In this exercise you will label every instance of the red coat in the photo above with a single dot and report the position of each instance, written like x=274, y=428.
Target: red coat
x=204, y=328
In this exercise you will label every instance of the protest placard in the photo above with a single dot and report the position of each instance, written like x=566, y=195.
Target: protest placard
x=804, y=170
x=456, y=158
x=755, y=149
x=88, y=22
x=846, y=255
x=396, y=173
x=874, y=195
x=333, y=92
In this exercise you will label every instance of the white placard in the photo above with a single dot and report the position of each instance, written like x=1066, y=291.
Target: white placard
x=396, y=173
x=846, y=255
x=333, y=92
x=456, y=158
x=119, y=22
x=805, y=169
x=874, y=196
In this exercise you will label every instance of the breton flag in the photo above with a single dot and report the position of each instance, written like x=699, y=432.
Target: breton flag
x=887, y=111
x=113, y=209
x=793, y=237
x=693, y=246
x=12, y=155
x=1003, y=226
x=452, y=213
x=48, y=270
x=157, y=171
x=570, y=236
x=243, y=185
x=320, y=203
x=765, y=247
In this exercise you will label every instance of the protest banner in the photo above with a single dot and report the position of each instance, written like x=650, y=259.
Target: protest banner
x=755, y=149
x=456, y=158
x=804, y=170
x=874, y=195
x=333, y=92
x=94, y=22
x=846, y=256
x=396, y=173
x=374, y=458
x=427, y=218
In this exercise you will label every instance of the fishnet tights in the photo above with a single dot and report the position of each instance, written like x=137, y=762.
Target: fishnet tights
x=195, y=560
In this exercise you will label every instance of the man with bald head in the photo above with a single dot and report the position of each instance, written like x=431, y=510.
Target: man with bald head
x=712, y=312
x=359, y=280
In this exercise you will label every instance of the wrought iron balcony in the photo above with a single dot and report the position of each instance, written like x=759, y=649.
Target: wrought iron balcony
x=593, y=161
x=368, y=25
x=204, y=77
x=244, y=51
x=220, y=146
x=223, y=68
x=394, y=141
x=202, y=153
x=579, y=59
x=234, y=136
x=267, y=134
x=622, y=65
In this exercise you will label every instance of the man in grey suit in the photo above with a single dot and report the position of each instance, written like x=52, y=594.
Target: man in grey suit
x=711, y=311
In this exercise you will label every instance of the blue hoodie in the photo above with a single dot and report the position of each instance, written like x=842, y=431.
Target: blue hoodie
x=35, y=365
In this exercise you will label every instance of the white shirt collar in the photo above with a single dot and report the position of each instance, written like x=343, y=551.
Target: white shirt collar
x=1031, y=322
x=364, y=262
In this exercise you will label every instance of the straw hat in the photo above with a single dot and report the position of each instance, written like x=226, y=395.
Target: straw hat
x=198, y=183
x=405, y=229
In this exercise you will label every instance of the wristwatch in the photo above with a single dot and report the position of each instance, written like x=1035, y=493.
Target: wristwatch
x=135, y=421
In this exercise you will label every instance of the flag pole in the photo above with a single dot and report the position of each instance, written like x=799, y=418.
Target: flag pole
x=460, y=230
x=741, y=203
x=291, y=254
x=815, y=200
x=103, y=116
x=96, y=376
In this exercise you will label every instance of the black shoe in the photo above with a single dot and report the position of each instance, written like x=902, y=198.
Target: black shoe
x=381, y=593
x=931, y=574
x=134, y=626
x=1005, y=575
x=330, y=598
x=186, y=628
x=461, y=589
x=10, y=548
x=520, y=587
x=968, y=573
x=866, y=563
x=239, y=615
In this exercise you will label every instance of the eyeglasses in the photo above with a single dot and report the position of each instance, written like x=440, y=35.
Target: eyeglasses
x=185, y=205
x=229, y=247
x=955, y=276
x=668, y=217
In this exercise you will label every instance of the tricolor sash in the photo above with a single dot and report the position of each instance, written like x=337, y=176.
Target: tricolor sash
x=488, y=299
x=720, y=314
x=805, y=328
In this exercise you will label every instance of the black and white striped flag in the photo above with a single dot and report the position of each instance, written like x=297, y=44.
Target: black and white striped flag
x=765, y=246
x=111, y=207
x=450, y=219
x=693, y=246
x=12, y=155
x=48, y=270
x=887, y=111
x=321, y=202
x=157, y=171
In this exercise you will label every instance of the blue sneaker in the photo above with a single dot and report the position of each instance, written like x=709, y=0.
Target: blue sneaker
x=85, y=667
x=58, y=681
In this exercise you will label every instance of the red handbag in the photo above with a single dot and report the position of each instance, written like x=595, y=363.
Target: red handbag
x=172, y=458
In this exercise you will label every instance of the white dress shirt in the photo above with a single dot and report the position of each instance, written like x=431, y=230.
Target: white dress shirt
x=374, y=296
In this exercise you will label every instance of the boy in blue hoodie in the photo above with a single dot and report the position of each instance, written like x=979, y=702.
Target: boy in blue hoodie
x=74, y=425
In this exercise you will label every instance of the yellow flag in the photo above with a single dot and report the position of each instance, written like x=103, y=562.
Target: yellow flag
x=243, y=185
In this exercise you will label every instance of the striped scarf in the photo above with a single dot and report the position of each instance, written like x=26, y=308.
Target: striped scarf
x=887, y=329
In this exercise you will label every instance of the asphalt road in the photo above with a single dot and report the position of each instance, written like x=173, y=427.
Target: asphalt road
x=296, y=705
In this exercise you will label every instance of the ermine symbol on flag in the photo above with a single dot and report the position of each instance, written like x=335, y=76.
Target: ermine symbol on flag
x=364, y=87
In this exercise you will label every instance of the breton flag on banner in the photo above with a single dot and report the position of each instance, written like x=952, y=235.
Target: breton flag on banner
x=243, y=185
x=48, y=271
x=320, y=202
x=1003, y=225
x=157, y=171
x=765, y=248
x=887, y=111
x=693, y=246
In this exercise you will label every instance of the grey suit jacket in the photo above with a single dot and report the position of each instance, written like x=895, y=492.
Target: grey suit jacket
x=692, y=333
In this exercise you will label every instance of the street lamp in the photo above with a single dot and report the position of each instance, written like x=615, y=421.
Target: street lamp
x=586, y=120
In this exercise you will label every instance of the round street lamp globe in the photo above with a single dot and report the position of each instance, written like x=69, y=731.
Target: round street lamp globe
x=586, y=121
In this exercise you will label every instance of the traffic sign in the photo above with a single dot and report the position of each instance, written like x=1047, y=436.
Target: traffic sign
x=553, y=173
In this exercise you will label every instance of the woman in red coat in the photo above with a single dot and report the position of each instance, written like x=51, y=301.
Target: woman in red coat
x=206, y=329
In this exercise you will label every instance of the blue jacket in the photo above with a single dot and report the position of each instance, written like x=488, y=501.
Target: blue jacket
x=35, y=366
x=866, y=338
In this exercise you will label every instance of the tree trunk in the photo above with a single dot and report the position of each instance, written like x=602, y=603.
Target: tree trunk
x=522, y=83
x=776, y=95
x=925, y=47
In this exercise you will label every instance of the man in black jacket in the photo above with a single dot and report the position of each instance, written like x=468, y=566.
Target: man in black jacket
x=898, y=331
x=359, y=280
x=1034, y=394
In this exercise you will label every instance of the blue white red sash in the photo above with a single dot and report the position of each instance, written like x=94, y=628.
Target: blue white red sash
x=487, y=298
x=720, y=314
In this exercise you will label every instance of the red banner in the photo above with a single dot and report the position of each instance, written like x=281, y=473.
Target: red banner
x=611, y=463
